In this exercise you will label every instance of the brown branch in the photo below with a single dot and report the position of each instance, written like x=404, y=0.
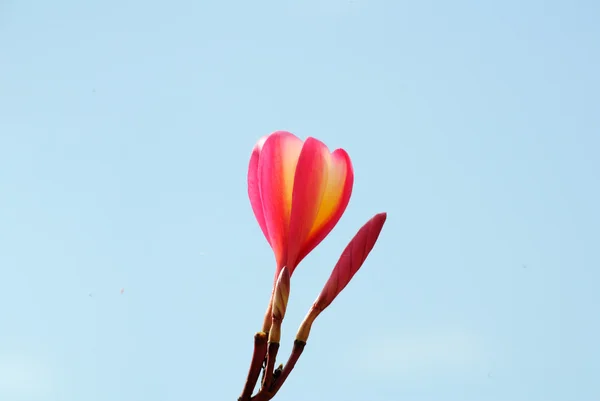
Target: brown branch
x=289, y=366
x=258, y=356
x=271, y=356
x=265, y=394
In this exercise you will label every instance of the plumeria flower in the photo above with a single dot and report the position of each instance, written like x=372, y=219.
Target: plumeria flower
x=298, y=191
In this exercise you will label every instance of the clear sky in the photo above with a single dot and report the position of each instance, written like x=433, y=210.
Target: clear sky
x=125, y=133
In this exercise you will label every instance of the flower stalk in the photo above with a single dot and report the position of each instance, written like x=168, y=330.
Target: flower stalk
x=280, y=300
x=258, y=355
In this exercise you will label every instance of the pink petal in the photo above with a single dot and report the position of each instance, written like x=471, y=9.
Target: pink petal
x=276, y=168
x=254, y=188
x=340, y=180
x=310, y=183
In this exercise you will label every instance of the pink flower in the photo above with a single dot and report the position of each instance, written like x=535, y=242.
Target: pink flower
x=298, y=191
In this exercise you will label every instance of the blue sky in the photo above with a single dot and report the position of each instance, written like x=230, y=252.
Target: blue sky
x=125, y=132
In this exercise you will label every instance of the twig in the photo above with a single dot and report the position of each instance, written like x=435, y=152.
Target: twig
x=265, y=394
x=258, y=356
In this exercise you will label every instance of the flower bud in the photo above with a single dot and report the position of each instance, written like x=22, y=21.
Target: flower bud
x=350, y=261
x=280, y=300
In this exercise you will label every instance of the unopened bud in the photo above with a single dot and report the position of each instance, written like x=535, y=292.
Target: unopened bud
x=280, y=300
x=350, y=261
